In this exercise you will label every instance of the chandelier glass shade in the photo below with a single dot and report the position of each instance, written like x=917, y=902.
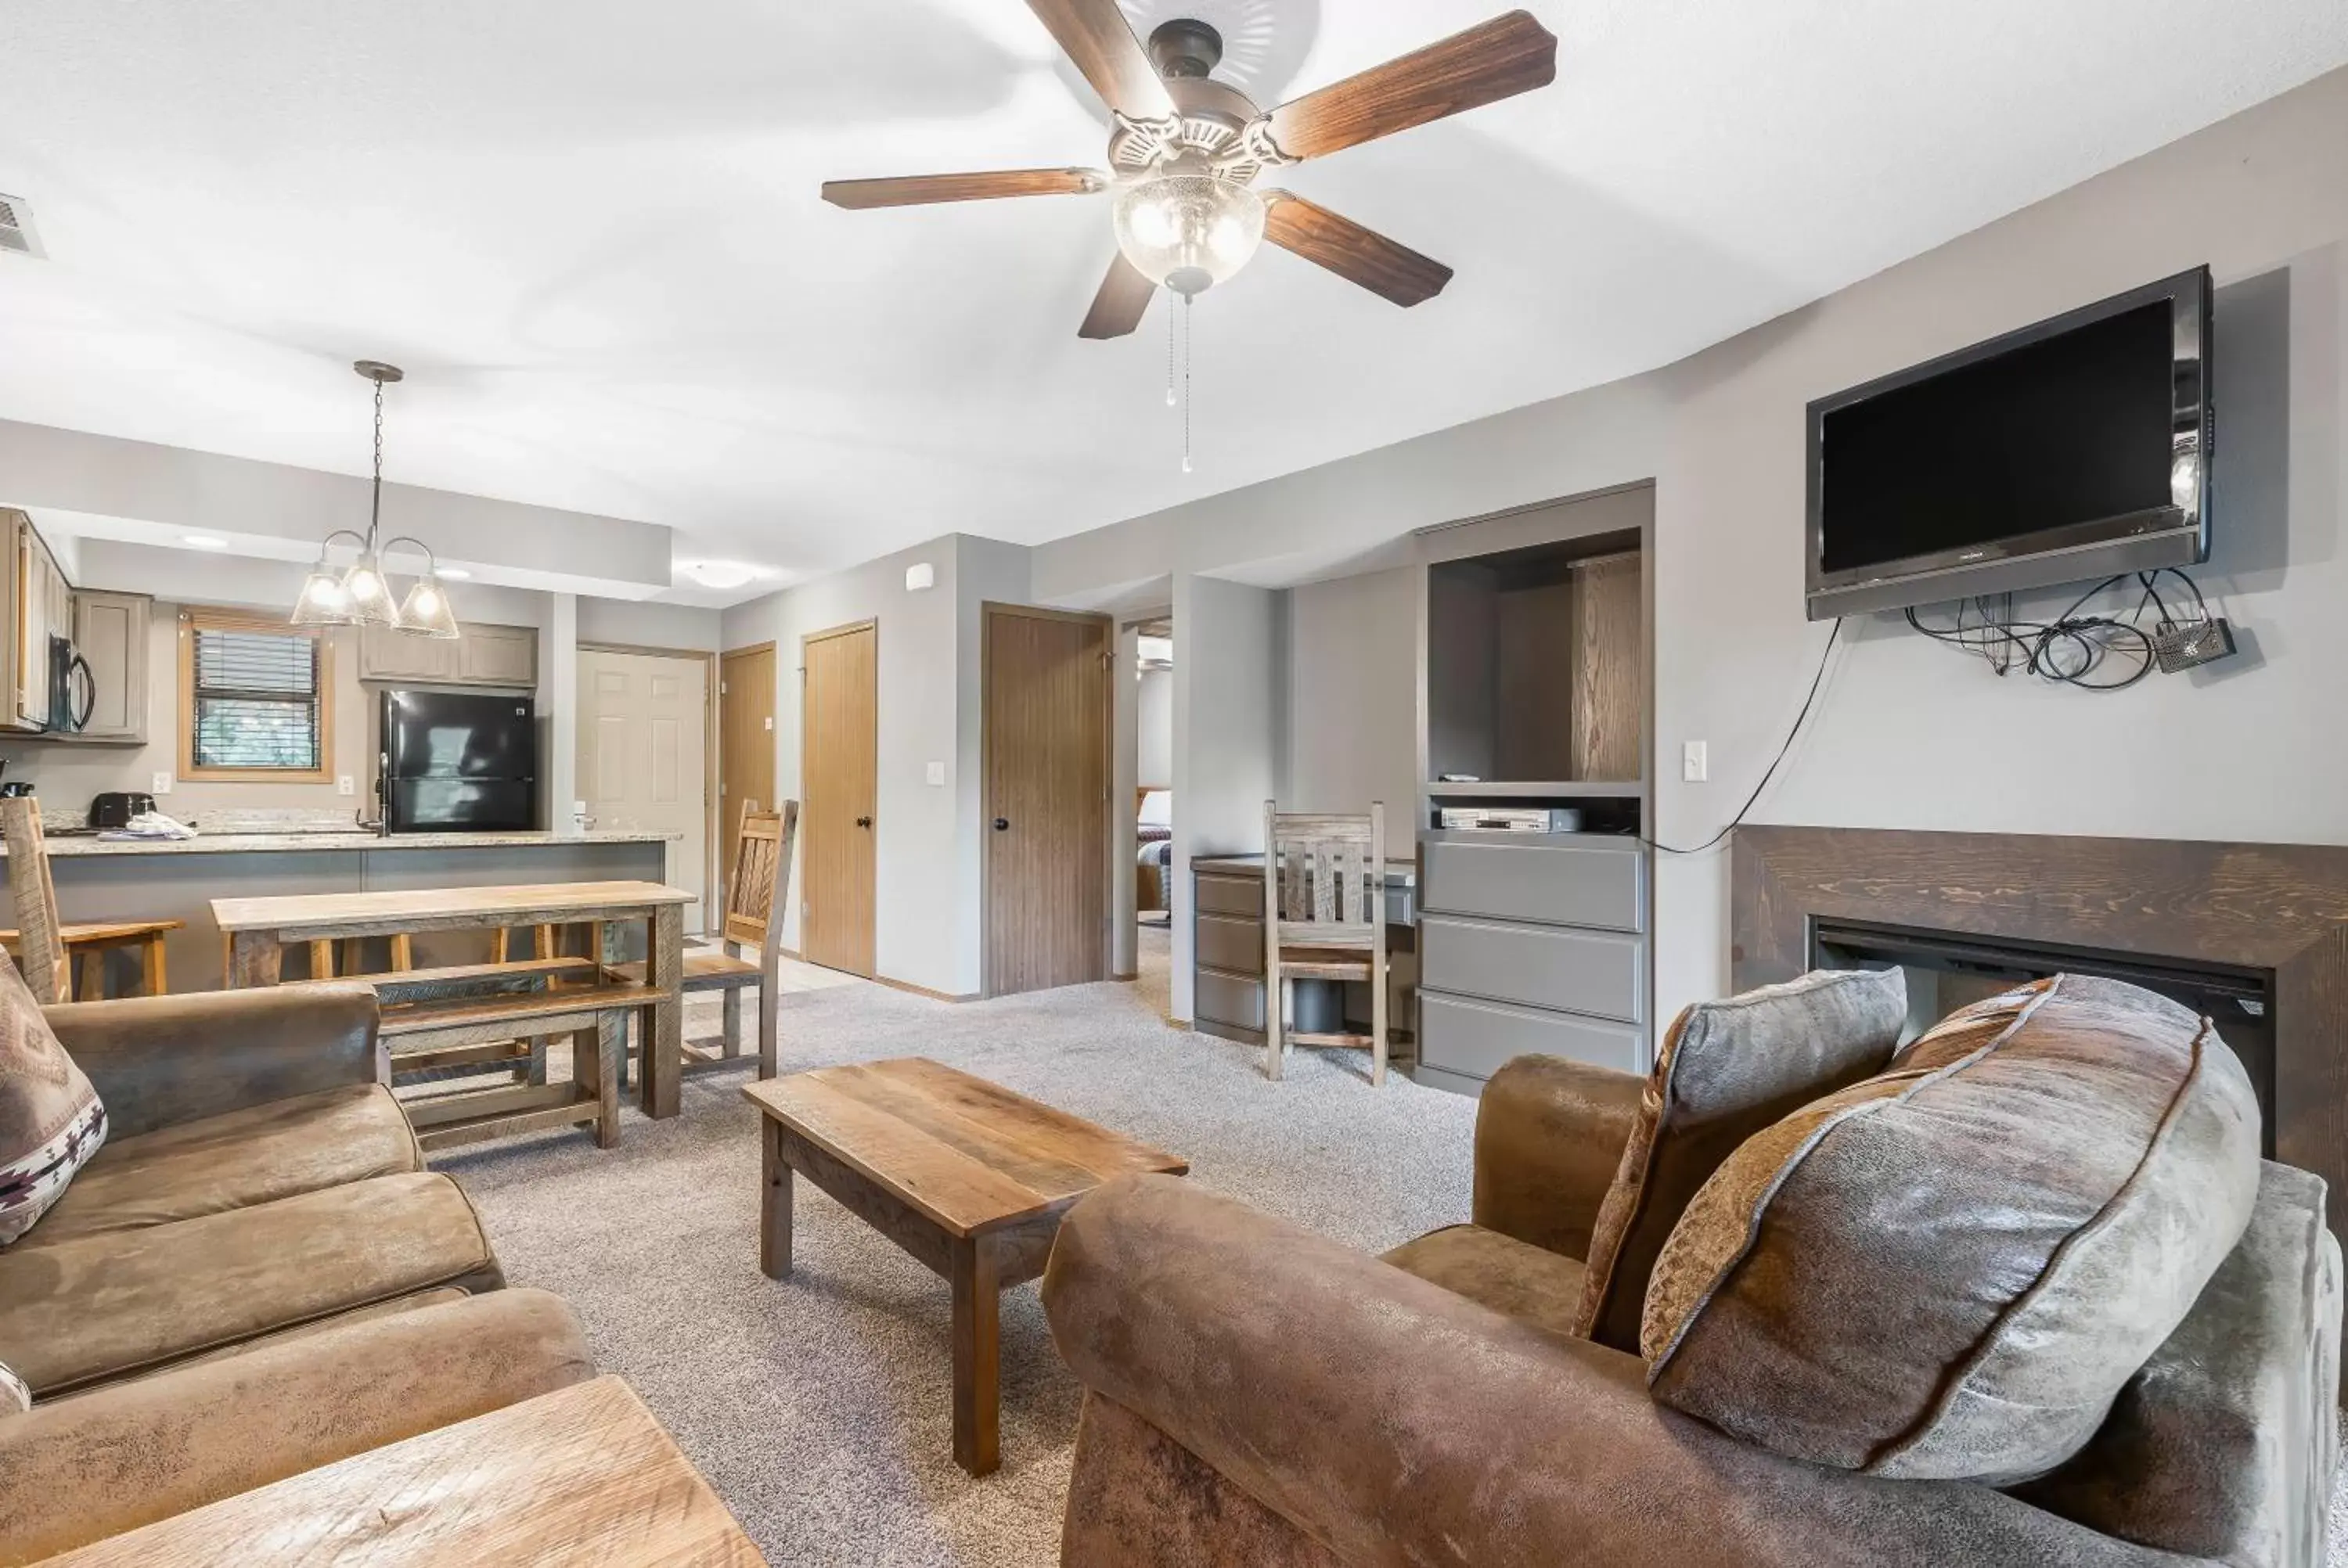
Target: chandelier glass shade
x=1188, y=231
x=360, y=594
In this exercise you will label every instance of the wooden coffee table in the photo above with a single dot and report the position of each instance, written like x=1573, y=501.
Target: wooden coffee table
x=581, y=1475
x=967, y=1176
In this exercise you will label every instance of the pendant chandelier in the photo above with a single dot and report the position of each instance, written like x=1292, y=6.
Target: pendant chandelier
x=361, y=594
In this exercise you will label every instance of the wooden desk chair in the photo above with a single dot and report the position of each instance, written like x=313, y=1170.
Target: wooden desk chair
x=49, y=950
x=755, y=896
x=1324, y=918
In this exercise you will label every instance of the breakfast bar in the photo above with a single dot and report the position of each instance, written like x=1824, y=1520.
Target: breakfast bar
x=100, y=879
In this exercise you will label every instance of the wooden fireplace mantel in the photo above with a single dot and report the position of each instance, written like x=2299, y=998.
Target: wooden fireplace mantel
x=2279, y=907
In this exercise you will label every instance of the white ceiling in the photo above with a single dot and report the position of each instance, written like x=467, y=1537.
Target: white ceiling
x=590, y=231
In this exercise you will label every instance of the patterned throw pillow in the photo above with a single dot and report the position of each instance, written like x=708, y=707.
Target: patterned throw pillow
x=50, y=1118
x=15, y=1397
x=1949, y=1271
x=1728, y=1070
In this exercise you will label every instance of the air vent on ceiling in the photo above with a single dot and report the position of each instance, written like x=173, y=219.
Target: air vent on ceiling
x=17, y=227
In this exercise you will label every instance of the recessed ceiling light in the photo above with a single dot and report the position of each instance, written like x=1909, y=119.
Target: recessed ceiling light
x=204, y=541
x=458, y=572
x=719, y=573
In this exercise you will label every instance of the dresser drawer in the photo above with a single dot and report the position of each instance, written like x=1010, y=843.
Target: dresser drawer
x=1600, y=885
x=1600, y=973
x=1225, y=943
x=1227, y=999
x=1230, y=895
x=1466, y=1035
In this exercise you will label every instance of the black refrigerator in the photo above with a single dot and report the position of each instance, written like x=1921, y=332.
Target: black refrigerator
x=459, y=761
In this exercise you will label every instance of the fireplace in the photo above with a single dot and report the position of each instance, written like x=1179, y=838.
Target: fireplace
x=1946, y=971
x=2253, y=935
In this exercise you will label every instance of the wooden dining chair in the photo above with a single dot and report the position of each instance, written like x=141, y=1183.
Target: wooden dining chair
x=50, y=952
x=1324, y=918
x=756, y=897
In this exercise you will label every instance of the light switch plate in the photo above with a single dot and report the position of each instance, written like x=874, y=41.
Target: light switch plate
x=1694, y=765
x=937, y=773
x=162, y=785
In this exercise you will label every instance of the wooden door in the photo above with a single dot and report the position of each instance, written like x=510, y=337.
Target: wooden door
x=1046, y=724
x=838, y=775
x=746, y=749
x=643, y=728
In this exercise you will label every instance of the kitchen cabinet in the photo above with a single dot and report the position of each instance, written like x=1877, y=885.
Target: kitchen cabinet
x=498, y=655
x=39, y=603
x=480, y=655
x=111, y=630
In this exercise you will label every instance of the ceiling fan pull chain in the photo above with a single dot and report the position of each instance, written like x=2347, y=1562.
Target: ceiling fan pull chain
x=1170, y=398
x=1186, y=381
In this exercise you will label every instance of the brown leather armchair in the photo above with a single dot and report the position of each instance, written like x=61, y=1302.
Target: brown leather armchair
x=1258, y=1395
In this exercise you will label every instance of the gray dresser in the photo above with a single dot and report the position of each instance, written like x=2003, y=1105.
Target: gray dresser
x=1227, y=935
x=1530, y=943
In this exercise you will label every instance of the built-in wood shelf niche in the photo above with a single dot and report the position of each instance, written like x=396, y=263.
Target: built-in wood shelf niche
x=1535, y=670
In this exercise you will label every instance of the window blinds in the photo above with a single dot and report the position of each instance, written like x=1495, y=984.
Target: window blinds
x=256, y=699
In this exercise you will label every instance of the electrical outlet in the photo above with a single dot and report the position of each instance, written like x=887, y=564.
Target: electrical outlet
x=937, y=773
x=346, y=784
x=1694, y=765
x=162, y=785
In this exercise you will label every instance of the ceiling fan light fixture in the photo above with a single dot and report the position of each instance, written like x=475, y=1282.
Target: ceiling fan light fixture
x=1188, y=232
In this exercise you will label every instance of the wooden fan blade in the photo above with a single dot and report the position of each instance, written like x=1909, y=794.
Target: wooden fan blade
x=1504, y=57
x=1356, y=254
x=919, y=190
x=1095, y=36
x=1117, y=309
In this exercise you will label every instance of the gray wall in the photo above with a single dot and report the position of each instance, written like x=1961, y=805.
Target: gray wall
x=1154, y=729
x=1910, y=734
x=928, y=847
x=1229, y=682
x=1353, y=698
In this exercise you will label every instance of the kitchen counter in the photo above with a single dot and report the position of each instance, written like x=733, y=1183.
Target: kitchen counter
x=61, y=847
x=177, y=880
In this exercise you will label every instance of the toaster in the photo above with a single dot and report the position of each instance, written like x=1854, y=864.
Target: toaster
x=117, y=807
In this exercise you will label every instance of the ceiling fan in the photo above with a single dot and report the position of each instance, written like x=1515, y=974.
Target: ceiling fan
x=1188, y=149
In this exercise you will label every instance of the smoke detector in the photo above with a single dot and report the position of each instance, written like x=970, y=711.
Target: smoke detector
x=16, y=227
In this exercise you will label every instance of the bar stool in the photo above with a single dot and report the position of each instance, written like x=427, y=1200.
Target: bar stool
x=52, y=954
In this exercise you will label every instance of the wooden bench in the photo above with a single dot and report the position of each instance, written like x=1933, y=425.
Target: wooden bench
x=497, y=1017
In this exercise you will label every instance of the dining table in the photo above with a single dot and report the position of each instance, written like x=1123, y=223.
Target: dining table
x=258, y=929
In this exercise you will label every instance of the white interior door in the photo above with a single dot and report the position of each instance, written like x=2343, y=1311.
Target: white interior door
x=644, y=725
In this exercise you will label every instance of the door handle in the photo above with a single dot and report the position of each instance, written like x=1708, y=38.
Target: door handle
x=864, y=822
x=1002, y=825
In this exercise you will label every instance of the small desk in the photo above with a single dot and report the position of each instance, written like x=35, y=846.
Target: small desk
x=969, y=1177
x=581, y=1475
x=257, y=930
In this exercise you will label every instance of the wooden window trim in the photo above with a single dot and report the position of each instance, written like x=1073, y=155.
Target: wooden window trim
x=194, y=620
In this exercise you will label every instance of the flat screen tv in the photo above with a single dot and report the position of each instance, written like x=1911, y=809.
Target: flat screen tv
x=2065, y=452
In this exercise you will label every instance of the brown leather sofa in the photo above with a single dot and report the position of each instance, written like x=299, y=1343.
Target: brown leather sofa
x=255, y=1275
x=258, y=1179
x=1258, y=1395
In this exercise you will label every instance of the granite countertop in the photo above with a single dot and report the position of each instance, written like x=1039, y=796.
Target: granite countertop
x=311, y=841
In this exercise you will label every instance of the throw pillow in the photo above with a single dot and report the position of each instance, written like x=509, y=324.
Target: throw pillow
x=1728, y=1070
x=50, y=1118
x=1949, y=1271
x=16, y=1399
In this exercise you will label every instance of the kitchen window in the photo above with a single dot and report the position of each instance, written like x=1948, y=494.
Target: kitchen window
x=256, y=699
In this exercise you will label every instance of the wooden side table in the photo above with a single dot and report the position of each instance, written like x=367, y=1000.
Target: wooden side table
x=583, y=1475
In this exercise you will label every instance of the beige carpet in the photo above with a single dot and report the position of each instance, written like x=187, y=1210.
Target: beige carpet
x=817, y=1407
